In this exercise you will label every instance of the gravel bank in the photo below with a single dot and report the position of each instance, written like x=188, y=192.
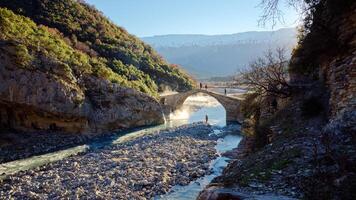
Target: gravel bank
x=139, y=169
x=19, y=145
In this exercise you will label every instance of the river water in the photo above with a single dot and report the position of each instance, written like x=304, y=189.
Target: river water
x=194, y=109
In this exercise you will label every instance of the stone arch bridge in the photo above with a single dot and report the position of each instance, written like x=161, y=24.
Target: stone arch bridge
x=173, y=102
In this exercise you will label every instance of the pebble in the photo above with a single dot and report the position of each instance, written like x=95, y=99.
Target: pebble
x=140, y=169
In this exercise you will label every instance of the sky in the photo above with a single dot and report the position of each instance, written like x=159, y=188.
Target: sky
x=160, y=17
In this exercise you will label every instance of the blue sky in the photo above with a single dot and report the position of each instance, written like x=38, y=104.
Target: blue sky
x=160, y=17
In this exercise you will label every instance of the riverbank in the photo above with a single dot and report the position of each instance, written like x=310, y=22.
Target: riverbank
x=21, y=145
x=138, y=169
x=305, y=159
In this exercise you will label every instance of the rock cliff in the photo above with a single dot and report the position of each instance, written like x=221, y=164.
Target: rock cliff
x=327, y=54
x=38, y=100
x=305, y=146
x=47, y=85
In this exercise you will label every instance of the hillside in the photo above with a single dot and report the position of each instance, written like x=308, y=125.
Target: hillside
x=220, y=55
x=86, y=29
x=47, y=84
x=303, y=145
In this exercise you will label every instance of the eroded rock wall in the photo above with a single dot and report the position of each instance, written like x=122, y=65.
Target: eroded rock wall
x=43, y=99
x=313, y=132
x=328, y=54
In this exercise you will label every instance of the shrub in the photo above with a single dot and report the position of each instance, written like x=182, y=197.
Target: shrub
x=23, y=58
x=48, y=47
x=250, y=106
x=95, y=35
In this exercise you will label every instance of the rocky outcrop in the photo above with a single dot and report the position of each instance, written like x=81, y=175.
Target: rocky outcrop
x=49, y=98
x=220, y=194
x=115, y=107
x=341, y=81
x=312, y=147
x=328, y=55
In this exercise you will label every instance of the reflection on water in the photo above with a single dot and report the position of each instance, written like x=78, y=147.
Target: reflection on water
x=195, y=108
x=192, y=190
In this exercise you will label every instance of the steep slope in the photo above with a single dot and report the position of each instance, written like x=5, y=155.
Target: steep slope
x=48, y=85
x=220, y=55
x=304, y=146
x=87, y=30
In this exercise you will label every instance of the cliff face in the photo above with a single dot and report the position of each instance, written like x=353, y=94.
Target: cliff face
x=305, y=148
x=341, y=81
x=327, y=54
x=38, y=100
x=48, y=85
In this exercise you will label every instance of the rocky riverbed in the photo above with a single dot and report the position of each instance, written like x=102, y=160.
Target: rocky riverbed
x=20, y=145
x=139, y=169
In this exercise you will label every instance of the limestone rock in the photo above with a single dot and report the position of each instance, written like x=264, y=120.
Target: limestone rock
x=36, y=99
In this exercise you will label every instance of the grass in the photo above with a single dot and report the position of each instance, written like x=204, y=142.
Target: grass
x=263, y=170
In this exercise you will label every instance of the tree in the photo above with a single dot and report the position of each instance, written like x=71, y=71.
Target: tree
x=268, y=75
x=272, y=12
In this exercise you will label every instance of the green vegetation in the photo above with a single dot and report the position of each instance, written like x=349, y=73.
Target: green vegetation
x=23, y=58
x=250, y=106
x=264, y=168
x=251, y=110
x=85, y=29
x=40, y=48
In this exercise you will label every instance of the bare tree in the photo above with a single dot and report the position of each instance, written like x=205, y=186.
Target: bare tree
x=271, y=11
x=268, y=75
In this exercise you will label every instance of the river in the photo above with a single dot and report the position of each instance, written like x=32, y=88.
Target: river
x=194, y=110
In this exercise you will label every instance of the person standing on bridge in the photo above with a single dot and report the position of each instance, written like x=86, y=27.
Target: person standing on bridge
x=225, y=91
x=201, y=85
x=206, y=119
x=206, y=87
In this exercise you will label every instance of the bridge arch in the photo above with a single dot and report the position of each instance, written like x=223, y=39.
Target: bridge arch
x=173, y=102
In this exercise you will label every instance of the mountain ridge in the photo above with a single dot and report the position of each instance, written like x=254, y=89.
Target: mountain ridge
x=220, y=55
x=156, y=40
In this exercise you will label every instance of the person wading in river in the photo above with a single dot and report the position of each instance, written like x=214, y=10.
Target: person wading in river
x=206, y=119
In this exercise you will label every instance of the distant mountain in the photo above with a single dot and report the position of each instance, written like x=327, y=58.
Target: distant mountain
x=207, y=56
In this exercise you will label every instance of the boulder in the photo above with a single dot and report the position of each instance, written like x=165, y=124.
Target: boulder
x=216, y=193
